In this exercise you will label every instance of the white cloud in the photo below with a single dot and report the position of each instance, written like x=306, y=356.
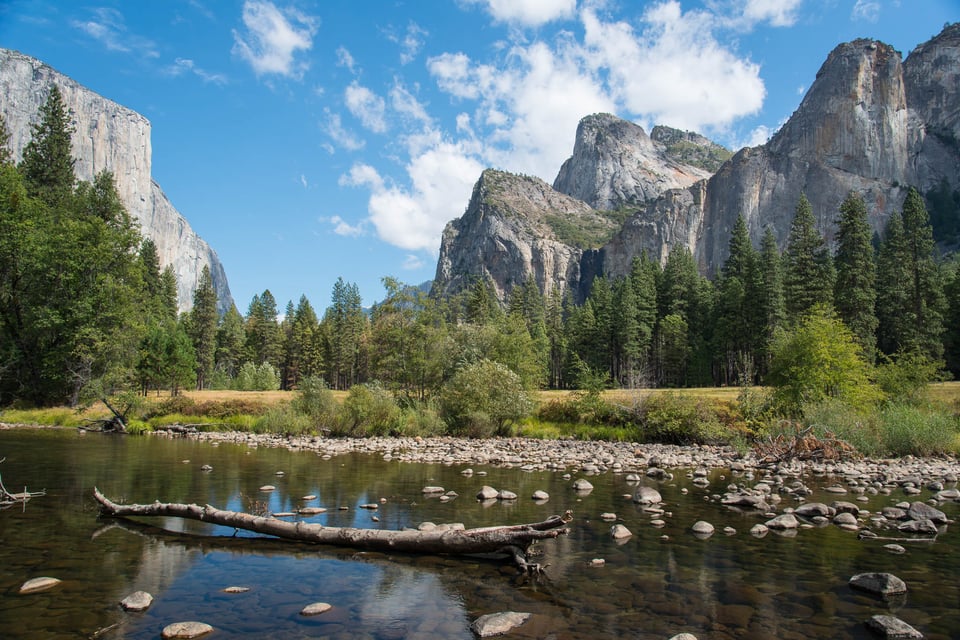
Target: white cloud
x=406, y=104
x=411, y=43
x=366, y=106
x=345, y=59
x=779, y=13
x=343, y=228
x=272, y=38
x=676, y=72
x=441, y=179
x=529, y=13
x=339, y=134
x=108, y=26
x=412, y=262
x=760, y=135
x=867, y=10
x=185, y=65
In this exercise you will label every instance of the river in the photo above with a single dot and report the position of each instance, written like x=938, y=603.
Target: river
x=659, y=582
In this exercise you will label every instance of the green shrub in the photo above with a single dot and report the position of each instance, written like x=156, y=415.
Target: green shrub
x=283, y=419
x=907, y=374
x=675, y=419
x=909, y=429
x=482, y=398
x=565, y=411
x=368, y=409
x=421, y=420
x=316, y=401
x=897, y=429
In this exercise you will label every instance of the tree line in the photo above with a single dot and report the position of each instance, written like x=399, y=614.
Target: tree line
x=85, y=308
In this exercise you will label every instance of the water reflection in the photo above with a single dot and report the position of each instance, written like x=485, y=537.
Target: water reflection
x=661, y=581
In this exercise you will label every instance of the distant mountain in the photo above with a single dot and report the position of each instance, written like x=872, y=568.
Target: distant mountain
x=114, y=138
x=870, y=123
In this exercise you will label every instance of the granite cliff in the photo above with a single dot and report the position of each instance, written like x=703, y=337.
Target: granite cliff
x=111, y=137
x=871, y=122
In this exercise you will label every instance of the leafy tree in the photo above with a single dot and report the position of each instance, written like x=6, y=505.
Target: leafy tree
x=952, y=333
x=47, y=164
x=820, y=359
x=483, y=398
x=855, y=292
x=808, y=270
x=203, y=326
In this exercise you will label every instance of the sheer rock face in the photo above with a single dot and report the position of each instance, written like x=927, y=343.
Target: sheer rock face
x=113, y=138
x=505, y=236
x=615, y=163
x=870, y=123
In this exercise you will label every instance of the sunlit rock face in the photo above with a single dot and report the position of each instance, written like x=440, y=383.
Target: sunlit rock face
x=113, y=138
x=871, y=122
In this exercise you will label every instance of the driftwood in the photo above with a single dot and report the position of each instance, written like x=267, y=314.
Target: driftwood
x=8, y=499
x=115, y=424
x=803, y=445
x=512, y=540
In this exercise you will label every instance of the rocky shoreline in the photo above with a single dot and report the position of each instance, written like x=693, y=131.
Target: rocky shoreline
x=598, y=457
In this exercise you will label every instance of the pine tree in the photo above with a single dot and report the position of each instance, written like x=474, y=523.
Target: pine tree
x=808, y=269
x=911, y=309
x=203, y=327
x=231, y=341
x=739, y=324
x=855, y=292
x=6, y=153
x=771, y=312
x=47, y=165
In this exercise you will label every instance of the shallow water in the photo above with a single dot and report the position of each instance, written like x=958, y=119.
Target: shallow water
x=649, y=587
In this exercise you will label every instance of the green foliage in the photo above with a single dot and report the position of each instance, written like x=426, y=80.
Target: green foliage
x=820, y=359
x=906, y=375
x=586, y=232
x=315, y=400
x=203, y=327
x=482, y=397
x=422, y=419
x=678, y=419
x=284, y=419
x=897, y=429
x=855, y=293
x=47, y=164
x=808, y=270
x=262, y=377
x=369, y=410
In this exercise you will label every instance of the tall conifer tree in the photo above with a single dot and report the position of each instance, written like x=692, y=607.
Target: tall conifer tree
x=855, y=293
x=808, y=269
x=47, y=164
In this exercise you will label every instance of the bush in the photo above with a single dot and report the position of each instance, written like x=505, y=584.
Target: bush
x=421, y=420
x=316, y=401
x=670, y=418
x=906, y=375
x=481, y=399
x=898, y=429
x=368, y=409
x=283, y=419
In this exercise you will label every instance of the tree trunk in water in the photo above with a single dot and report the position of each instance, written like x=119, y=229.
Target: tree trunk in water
x=506, y=539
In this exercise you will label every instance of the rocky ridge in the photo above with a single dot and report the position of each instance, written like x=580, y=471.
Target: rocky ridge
x=111, y=137
x=871, y=123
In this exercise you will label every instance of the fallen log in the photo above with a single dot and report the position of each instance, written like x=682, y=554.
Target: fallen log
x=511, y=540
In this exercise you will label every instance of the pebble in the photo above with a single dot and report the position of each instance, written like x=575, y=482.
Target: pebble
x=185, y=630
x=315, y=609
x=39, y=584
x=137, y=601
x=620, y=532
x=702, y=527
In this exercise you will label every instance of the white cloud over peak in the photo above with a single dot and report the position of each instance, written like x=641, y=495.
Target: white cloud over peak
x=675, y=72
x=366, y=106
x=779, y=13
x=272, y=37
x=868, y=10
x=528, y=13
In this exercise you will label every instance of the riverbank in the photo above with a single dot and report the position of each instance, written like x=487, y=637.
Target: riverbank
x=599, y=457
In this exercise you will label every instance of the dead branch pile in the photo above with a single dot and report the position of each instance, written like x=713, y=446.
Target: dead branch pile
x=803, y=445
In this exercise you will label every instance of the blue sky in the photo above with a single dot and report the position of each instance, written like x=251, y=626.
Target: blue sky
x=308, y=140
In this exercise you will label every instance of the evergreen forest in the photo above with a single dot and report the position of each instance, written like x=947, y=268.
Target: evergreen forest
x=86, y=311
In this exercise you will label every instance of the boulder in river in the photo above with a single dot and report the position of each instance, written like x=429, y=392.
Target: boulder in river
x=881, y=584
x=495, y=624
